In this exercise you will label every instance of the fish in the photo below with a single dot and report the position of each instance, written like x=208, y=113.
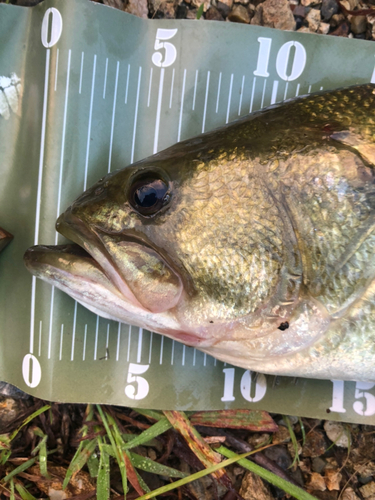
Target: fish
x=253, y=242
x=5, y=238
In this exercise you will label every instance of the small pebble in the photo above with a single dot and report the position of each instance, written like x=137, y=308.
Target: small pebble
x=309, y=3
x=336, y=20
x=279, y=455
x=292, y=419
x=239, y=14
x=358, y=24
x=181, y=11
x=138, y=8
x=281, y=436
x=292, y=451
x=318, y=464
x=9, y=409
x=329, y=8
x=332, y=479
x=349, y=494
x=274, y=14
x=223, y=7
x=316, y=482
x=299, y=11
x=192, y=14
x=368, y=490
x=337, y=433
x=342, y=30
x=257, y=440
x=323, y=28
x=198, y=3
x=213, y=14
x=253, y=488
x=313, y=19
x=315, y=444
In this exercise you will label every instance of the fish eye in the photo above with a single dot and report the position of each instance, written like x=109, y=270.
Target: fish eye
x=148, y=194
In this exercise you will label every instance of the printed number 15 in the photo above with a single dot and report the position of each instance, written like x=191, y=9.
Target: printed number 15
x=359, y=407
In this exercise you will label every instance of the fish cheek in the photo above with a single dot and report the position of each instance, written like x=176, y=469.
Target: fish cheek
x=152, y=281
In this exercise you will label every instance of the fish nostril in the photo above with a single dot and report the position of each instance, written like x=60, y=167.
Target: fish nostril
x=283, y=326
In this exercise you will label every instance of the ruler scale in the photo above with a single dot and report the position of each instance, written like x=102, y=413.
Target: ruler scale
x=91, y=107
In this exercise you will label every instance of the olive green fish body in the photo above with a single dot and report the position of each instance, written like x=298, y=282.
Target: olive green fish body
x=254, y=242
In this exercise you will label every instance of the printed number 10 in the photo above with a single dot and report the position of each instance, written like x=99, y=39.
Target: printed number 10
x=282, y=60
x=250, y=391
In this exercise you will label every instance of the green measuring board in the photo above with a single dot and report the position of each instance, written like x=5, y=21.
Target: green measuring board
x=85, y=90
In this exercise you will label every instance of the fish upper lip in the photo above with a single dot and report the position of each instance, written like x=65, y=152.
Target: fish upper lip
x=74, y=228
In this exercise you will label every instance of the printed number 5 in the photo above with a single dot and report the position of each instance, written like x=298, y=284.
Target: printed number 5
x=142, y=388
x=170, y=50
x=358, y=406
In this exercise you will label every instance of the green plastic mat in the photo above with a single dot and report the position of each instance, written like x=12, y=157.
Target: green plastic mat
x=86, y=89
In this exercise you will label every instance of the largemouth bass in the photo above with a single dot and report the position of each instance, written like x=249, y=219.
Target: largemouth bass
x=5, y=238
x=254, y=242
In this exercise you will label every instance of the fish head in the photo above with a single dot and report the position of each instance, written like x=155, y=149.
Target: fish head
x=160, y=246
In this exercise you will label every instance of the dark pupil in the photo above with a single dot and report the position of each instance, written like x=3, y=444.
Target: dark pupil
x=150, y=193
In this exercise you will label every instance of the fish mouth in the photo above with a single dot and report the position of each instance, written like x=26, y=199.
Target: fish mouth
x=128, y=269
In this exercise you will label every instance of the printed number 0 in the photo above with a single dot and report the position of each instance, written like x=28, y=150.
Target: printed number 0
x=170, y=50
x=52, y=16
x=260, y=387
x=31, y=370
x=133, y=377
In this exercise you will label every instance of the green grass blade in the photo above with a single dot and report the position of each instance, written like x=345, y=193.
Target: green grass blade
x=4, y=455
x=117, y=443
x=4, y=440
x=156, y=415
x=148, y=465
x=122, y=464
x=84, y=453
x=25, y=495
x=20, y=468
x=81, y=457
x=155, y=430
x=302, y=430
x=12, y=497
x=200, y=11
x=193, y=477
x=272, y=478
x=93, y=465
x=43, y=457
x=293, y=438
x=129, y=437
x=103, y=481
x=142, y=484
x=28, y=419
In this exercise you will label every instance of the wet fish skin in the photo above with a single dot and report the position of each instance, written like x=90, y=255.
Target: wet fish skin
x=5, y=238
x=263, y=254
